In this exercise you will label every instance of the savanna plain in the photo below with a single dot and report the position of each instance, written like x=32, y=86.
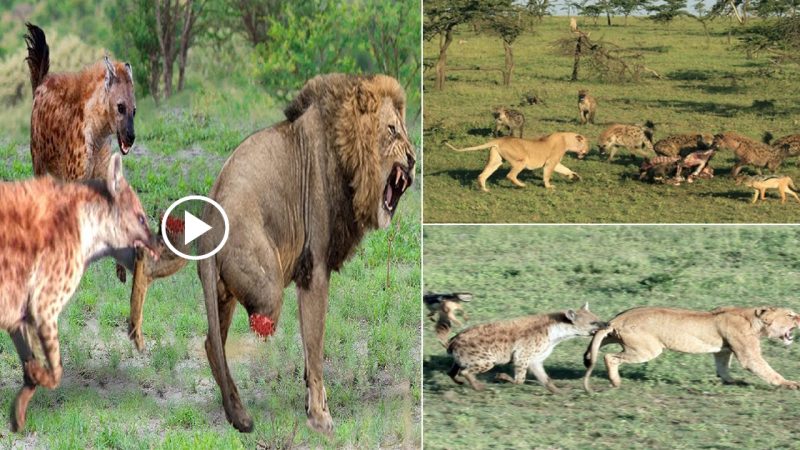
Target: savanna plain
x=673, y=401
x=707, y=84
x=111, y=396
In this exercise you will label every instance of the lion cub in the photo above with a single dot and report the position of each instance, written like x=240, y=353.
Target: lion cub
x=526, y=342
x=760, y=184
x=587, y=106
x=507, y=118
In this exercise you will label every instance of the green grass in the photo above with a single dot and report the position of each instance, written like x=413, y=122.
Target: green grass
x=707, y=86
x=113, y=397
x=674, y=401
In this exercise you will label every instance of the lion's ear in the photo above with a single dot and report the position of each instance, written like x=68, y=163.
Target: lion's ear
x=367, y=103
x=761, y=311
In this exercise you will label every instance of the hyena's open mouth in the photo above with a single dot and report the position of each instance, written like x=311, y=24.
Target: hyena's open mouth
x=397, y=183
x=124, y=147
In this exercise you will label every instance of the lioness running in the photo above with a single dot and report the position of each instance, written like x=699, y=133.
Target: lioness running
x=645, y=332
x=545, y=151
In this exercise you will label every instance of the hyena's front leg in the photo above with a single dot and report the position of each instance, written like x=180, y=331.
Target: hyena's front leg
x=313, y=305
x=537, y=368
x=19, y=407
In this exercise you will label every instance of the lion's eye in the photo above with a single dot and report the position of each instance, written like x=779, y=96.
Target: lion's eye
x=121, y=108
x=142, y=220
x=392, y=131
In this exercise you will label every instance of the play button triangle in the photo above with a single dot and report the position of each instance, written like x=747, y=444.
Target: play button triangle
x=194, y=227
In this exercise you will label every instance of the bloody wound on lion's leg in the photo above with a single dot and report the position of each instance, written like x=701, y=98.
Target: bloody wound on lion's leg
x=262, y=325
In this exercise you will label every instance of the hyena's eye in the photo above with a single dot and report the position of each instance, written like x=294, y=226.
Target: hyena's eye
x=134, y=111
x=121, y=108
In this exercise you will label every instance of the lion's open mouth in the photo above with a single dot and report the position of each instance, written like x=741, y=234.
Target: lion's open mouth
x=123, y=147
x=396, y=185
x=787, y=337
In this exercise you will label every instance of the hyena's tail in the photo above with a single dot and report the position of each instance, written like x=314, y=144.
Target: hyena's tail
x=38, y=55
x=590, y=357
x=766, y=137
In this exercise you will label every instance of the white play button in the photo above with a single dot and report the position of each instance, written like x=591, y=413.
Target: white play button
x=194, y=227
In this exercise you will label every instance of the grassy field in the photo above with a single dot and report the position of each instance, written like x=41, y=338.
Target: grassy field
x=707, y=86
x=113, y=397
x=674, y=401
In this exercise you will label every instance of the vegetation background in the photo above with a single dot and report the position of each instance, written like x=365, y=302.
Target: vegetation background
x=674, y=401
x=231, y=74
x=715, y=75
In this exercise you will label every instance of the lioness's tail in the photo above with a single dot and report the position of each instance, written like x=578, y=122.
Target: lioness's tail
x=489, y=144
x=590, y=357
x=38, y=55
x=791, y=184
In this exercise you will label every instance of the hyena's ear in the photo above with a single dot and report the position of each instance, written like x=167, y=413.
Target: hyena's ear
x=570, y=315
x=129, y=69
x=585, y=306
x=114, y=178
x=111, y=73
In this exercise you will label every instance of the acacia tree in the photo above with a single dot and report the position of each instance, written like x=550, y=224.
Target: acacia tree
x=628, y=7
x=504, y=24
x=667, y=11
x=441, y=19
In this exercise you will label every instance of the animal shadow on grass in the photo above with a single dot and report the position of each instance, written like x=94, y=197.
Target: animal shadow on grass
x=483, y=132
x=441, y=364
x=743, y=195
x=465, y=177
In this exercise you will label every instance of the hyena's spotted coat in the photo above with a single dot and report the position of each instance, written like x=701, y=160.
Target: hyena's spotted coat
x=75, y=115
x=526, y=342
x=49, y=233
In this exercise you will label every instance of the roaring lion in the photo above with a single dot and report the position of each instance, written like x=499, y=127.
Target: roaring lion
x=645, y=332
x=300, y=196
x=546, y=151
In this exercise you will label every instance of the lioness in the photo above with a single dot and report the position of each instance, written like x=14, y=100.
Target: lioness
x=545, y=151
x=525, y=342
x=760, y=184
x=645, y=332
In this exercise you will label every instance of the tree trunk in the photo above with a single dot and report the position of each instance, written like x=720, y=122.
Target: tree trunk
x=577, y=62
x=608, y=17
x=155, y=74
x=165, y=26
x=190, y=17
x=441, y=62
x=509, y=63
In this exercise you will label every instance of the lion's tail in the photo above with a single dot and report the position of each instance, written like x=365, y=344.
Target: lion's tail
x=590, y=357
x=791, y=184
x=489, y=144
x=38, y=55
x=207, y=269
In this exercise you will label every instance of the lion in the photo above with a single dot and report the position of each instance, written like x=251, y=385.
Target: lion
x=300, y=196
x=546, y=151
x=645, y=332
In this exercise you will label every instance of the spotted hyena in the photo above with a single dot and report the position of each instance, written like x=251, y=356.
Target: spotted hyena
x=683, y=144
x=525, y=342
x=587, y=106
x=49, y=233
x=75, y=115
x=750, y=152
x=507, y=118
x=790, y=143
x=636, y=138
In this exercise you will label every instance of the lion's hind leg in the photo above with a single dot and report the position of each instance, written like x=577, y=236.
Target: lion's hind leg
x=643, y=349
x=515, y=170
x=722, y=360
x=494, y=163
